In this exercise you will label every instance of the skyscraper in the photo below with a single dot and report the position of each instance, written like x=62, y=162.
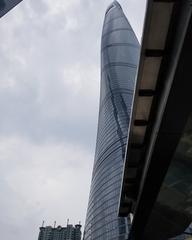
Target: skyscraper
x=60, y=233
x=119, y=59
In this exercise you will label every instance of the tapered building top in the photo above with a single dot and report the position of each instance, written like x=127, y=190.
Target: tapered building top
x=113, y=4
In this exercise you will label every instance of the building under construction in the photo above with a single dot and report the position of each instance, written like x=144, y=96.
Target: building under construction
x=69, y=232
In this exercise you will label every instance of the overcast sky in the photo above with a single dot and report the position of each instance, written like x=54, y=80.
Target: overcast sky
x=49, y=95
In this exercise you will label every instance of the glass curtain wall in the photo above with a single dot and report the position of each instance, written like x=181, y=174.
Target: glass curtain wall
x=7, y=5
x=119, y=59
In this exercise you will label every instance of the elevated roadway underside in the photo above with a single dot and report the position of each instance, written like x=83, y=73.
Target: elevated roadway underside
x=157, y=183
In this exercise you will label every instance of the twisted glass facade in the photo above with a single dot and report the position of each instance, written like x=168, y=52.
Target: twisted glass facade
x=119, y=59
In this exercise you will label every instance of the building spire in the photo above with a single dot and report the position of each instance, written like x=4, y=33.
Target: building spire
x=54, y=224
x=43, y=223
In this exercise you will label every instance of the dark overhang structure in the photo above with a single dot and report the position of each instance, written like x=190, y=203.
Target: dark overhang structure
x=161, y=126
x=7, y=5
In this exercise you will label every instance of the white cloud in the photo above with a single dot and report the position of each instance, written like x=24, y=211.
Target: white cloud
x=61, y=6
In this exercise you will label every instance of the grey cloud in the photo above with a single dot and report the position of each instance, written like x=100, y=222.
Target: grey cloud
x=38, y=182
x=37, y=84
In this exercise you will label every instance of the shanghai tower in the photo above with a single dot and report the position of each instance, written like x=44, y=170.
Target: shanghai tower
x=119, y=59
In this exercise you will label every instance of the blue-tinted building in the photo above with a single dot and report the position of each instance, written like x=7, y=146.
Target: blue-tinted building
x=119, y=59
x=7, y=5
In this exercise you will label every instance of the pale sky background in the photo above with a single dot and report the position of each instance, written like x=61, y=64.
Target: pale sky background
x=49, y=96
